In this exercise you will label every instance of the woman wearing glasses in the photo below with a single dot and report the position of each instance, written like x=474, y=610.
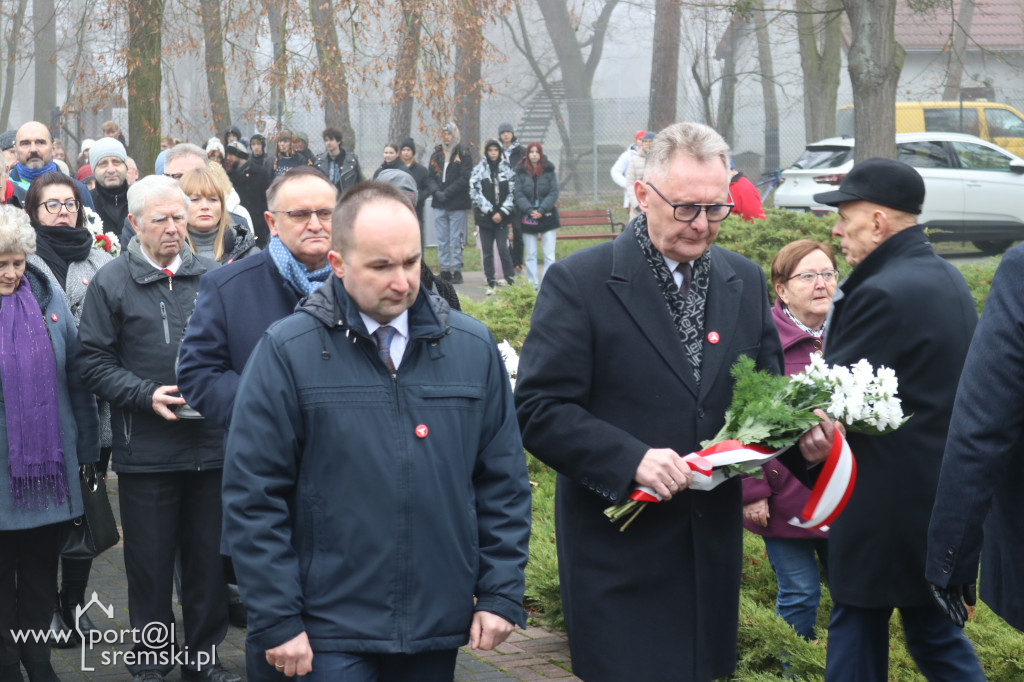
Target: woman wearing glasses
x=65, y=254
x=804, y=277
x=49, y=428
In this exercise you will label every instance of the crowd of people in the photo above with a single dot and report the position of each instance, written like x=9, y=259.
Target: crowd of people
x=314, y=442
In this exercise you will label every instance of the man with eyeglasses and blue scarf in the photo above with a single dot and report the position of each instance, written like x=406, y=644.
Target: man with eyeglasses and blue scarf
x=625, y=369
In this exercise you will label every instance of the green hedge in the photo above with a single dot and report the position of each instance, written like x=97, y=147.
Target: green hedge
x=761, y=633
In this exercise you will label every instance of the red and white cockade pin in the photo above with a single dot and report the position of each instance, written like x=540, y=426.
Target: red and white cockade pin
x=422, y=431
x=713, y=337
x=85, y=281
x=53, y=316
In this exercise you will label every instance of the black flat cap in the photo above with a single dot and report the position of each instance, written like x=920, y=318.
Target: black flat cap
x=881, y=181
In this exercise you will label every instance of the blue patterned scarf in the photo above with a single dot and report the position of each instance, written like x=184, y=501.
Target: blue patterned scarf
x=27, y=175
x=28, y=370
x=294, y=272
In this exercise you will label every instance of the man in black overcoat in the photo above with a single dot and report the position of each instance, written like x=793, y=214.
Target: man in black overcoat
x=905, y=308
x=625, y=368
x=983, y=469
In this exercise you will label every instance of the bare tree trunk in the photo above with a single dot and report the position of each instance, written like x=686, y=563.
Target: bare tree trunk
x=215, y=76
x=277, y=20
x=771, y=102
x=44, y=28
x=875, y=63
x=727, y=96
x=400, y=123
x=664, y=64
x=820, y=36
x=144, y=81
x=13, y=43
x=332, y=76
x=469, y=46
x=958, y=50
x=577, y=75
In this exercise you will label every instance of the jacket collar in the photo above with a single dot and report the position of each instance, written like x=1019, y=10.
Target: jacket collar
x=332, y=307
x=142, y=272
x=633, y=283
x=908, y=242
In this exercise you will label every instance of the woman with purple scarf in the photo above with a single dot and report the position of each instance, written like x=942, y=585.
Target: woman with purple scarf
x=48, y=426
x=804, y=277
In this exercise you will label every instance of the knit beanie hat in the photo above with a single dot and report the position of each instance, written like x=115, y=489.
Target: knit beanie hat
x=7, y=139
x=84, y=172
x=104, y=147
x=506, y=127
x=410, y=143
x=238, y=148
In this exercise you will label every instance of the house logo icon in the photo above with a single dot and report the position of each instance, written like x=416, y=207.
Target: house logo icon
x=107, y=609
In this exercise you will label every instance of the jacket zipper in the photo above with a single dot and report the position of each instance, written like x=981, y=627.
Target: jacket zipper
x=163, y=316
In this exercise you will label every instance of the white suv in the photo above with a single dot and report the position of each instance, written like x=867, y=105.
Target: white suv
x=974, y=190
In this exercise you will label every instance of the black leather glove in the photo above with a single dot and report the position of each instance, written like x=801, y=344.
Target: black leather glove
x=952, y=600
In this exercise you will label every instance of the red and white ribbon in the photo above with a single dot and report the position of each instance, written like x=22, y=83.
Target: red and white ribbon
x=704, y=462
x=828, y=498
x=832, y=490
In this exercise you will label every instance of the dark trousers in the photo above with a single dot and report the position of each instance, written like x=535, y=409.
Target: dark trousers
x=429, y=666
x=858, y=645
x=333, y=666
x=28, y=573
x=491, y=234
x=160, y=513
x=517, y=240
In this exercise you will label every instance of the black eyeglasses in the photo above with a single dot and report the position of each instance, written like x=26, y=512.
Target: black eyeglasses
x=827, y=276
x=303, y=215
x=54, y=206
x=687, y=213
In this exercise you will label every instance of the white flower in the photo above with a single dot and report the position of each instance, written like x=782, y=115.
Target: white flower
x=511, y=360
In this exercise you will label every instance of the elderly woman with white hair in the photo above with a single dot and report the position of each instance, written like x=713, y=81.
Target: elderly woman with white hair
x=50, y=426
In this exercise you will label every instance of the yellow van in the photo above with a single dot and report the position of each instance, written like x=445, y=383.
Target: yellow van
x=1000, y=124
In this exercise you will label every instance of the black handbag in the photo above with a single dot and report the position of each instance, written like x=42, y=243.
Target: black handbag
x=95, y=531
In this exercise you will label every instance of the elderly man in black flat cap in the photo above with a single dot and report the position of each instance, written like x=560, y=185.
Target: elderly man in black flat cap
x=905, y=308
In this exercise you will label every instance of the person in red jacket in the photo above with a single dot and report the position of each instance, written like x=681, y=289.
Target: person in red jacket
x=746, y=200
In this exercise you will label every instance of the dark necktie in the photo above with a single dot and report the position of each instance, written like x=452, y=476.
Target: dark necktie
x=383, y=336
x=686, y=270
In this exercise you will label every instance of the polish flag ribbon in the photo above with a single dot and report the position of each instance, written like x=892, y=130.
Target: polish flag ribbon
x=828, y=498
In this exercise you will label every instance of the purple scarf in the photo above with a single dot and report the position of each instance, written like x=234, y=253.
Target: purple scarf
x=28, y=371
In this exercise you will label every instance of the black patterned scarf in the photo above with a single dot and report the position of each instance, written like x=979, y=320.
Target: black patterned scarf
x=687, y=313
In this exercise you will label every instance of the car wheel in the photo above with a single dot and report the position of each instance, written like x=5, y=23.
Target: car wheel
x=993, y=247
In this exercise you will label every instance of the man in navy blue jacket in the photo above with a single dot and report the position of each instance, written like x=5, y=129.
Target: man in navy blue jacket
x=376, y=499
x=236, y=304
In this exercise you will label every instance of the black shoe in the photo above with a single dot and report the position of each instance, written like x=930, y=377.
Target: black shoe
x=61, y=635
x=40, y=671
x=11, y=672
x=214, y=673
x=457, y=277
x=446, y=276
x=148, y=676
x=67, y=611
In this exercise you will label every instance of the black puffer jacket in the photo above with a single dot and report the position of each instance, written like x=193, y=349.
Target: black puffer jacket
x=133, y=321
x=450, y=187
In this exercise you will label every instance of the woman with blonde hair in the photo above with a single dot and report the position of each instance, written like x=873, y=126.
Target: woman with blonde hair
x=211, y=232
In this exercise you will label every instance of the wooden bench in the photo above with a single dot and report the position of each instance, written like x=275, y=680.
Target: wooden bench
x=588, y=218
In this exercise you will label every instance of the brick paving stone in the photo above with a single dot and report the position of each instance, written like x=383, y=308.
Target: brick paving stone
x=520, y=658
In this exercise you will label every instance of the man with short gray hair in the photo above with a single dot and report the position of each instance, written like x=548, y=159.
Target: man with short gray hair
x=626, y=367
x=168, y=462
